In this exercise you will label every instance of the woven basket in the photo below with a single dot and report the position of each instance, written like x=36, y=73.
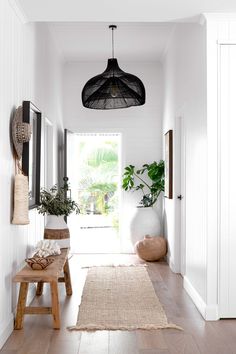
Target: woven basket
x=21, y=203
x=39, y=263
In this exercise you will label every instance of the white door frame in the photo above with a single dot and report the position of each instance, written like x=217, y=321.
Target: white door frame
x=180, y=189
x=49, y=168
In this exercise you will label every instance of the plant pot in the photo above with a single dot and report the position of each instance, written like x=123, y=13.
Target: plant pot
x=144, y=222
x=56, y=229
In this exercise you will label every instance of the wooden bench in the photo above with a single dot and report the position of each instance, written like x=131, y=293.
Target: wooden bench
x=51, y=275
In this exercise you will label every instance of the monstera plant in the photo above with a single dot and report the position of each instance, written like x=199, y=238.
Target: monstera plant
x=149, y=180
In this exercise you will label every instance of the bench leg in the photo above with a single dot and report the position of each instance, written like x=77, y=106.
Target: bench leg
x=55, y=305
x=21, y=305
x=39, y=289
x=67, y=278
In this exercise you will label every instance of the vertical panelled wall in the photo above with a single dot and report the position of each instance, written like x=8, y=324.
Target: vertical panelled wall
x=198, y=87
x=185, y=96
x=29, y=71
x=221, y=42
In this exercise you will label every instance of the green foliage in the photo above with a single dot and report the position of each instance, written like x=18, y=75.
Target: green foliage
x=104, y=154
x=103, y=187
x=98, y=176
x=101, y=193
x=155, y=172
x=55, y=202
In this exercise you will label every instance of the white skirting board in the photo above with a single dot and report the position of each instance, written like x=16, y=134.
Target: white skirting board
x=172, y=264
x=8, y=327
x=208, y=312
x=6, y=330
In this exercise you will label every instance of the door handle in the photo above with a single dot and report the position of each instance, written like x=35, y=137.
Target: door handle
x=180, y=197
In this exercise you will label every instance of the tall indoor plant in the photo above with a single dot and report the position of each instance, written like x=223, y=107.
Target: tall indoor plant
x=151, y=187
x=150, y=181
x=56, y=205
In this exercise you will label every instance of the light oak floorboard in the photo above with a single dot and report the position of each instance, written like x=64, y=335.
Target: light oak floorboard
x=198, y=337
x=151, y=340
x=94, y=342
x=123, y=342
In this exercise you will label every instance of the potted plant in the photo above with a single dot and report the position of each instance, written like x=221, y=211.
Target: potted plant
x=56, y=205
x=150, y=181
x=151, y=189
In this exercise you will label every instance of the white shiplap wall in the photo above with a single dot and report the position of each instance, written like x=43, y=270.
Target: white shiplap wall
x=221, y=40
x=193, y=87
x=29, y=70
x=185, y=96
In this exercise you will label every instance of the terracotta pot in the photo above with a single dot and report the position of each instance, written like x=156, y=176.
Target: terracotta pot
x=151, y=248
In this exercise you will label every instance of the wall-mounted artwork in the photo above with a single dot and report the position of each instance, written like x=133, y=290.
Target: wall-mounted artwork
x=169, y=164
x=32, y=152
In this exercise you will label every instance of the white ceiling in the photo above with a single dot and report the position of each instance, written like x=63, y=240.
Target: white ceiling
x=92, y=41
x=120, y=10
x=80, y=27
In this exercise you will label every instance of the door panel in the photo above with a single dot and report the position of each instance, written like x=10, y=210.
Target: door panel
x=227, y=181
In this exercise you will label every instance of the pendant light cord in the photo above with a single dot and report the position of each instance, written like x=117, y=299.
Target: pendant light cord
x=112, y=39
x=112, y=42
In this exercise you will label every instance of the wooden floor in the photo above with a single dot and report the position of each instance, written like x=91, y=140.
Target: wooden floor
x=198, y=337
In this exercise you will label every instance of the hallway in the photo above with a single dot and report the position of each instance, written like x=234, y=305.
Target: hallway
x=198, y=336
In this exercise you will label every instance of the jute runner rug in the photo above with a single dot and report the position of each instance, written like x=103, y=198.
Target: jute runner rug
x=120, y=298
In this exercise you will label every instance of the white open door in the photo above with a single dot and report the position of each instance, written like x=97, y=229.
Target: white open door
x=71, y=173
x=69, y=156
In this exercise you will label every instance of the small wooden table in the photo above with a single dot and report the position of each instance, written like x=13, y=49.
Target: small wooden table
x=49, y=275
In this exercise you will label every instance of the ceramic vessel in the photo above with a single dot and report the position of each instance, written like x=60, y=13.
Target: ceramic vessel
x=56, y=229
x=145, y=221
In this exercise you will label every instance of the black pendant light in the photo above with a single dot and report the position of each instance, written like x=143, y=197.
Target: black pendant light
x=113, y=88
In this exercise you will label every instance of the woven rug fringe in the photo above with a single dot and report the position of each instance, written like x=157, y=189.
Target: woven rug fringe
x=92, y=327
x=115, y=265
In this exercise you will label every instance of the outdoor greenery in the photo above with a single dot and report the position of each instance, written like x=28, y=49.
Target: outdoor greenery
x=55, y=202
x=151, y=187
x=98, y=178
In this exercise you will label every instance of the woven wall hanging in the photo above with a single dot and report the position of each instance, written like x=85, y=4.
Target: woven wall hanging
x=21, y=199
x=21, y=133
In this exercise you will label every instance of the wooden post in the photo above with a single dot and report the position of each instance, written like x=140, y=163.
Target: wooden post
x=21, y=305
x=55, y=305
x=39, y=289
x=67, y=278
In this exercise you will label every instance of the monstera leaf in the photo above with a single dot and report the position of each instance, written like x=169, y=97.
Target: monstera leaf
x=150, y=177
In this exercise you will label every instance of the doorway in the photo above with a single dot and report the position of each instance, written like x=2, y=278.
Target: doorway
x=95, y=171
